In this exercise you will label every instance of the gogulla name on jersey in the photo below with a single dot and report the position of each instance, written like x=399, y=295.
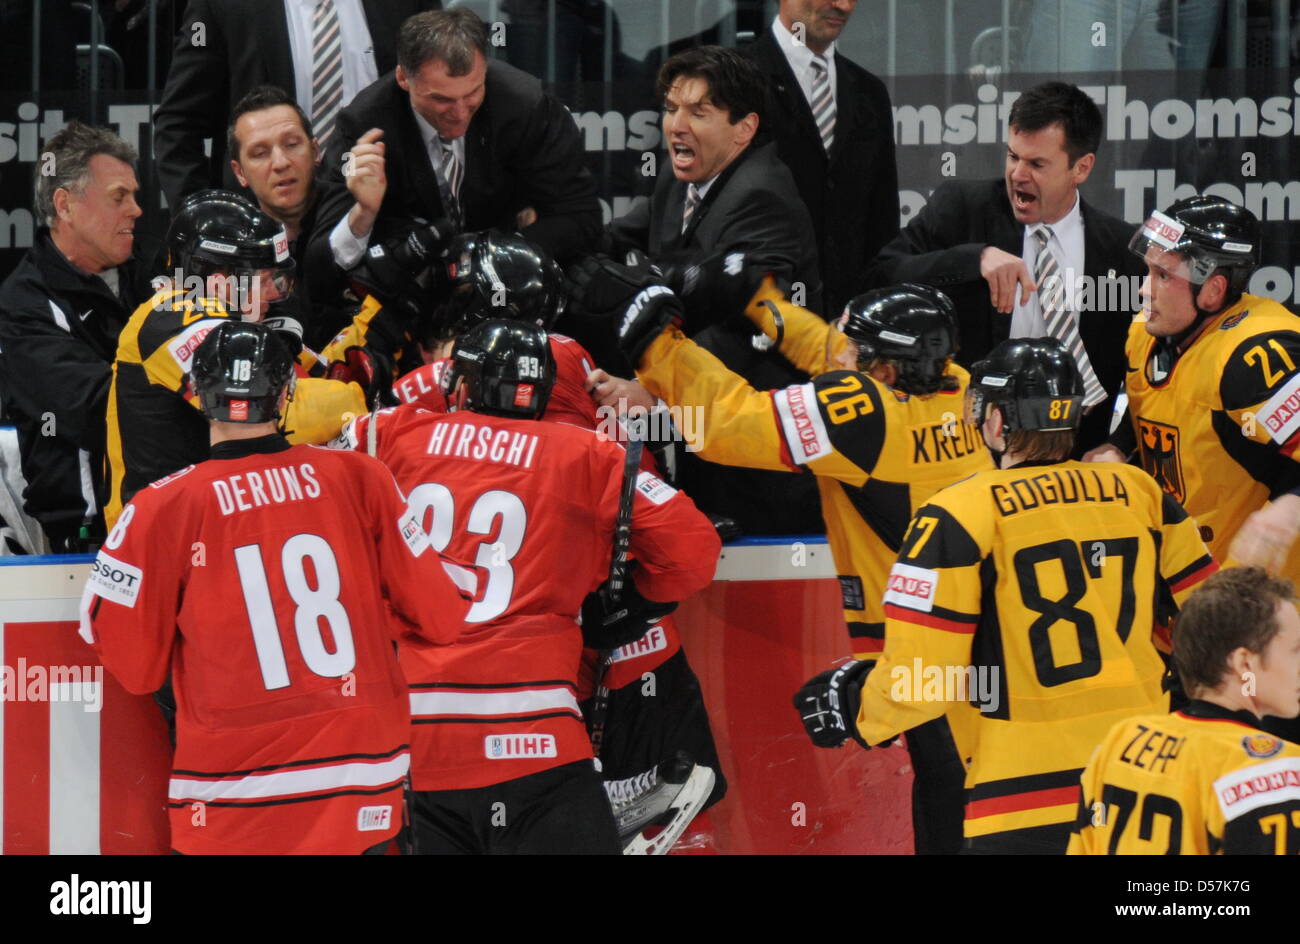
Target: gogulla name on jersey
x=471, y=441
x=1058, y=487
x=511, y=746
x=273, y=486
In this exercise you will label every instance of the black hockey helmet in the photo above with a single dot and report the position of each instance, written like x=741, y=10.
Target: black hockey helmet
x=239, y=371
x=914, y=326
x=1199, y=236
x=507, y=367
x=1033, y=381
x=500, y=275
x=216, y=231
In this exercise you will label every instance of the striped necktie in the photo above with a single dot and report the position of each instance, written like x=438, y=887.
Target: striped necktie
x=692, y=203
x=823, y=103
x=1062, y=323
x=326, y=70
x=453, y=173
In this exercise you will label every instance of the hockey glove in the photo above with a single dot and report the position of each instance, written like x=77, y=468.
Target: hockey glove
x=828, y=704
x=369, y=369
x=601, y=287
x=609, y=625
x=718, y=288
x=283, y=320
x=653, y=310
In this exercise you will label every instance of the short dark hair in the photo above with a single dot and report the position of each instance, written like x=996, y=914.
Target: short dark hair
x=262, y=97
x=1054, y=102
x=72, y=149
x=735, y=84
x=1038, y=445
x=1235, y=608
x=453, y=36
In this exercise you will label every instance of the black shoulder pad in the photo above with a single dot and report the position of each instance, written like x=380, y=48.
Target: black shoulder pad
x=936, y=539
x=854, y=414
x=1260, y=367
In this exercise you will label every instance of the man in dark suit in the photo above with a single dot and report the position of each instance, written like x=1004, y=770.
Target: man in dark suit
x=726, y=193
x=225, y=48
x=842, y=159
x=1026, y=256
x=451, y=134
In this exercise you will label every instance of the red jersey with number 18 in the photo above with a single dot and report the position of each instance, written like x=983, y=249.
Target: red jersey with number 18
x=532, y=505
x=257, y=584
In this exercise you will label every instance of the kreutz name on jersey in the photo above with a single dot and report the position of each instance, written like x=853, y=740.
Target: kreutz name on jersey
x=274, y=486
x=1058, y=487
x=943, y=442
x=483, y=443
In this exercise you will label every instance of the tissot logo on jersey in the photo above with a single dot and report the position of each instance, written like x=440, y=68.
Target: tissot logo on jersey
x=471, y=441
x=512, y=746
x=912, y=587
x=115, y=580
x=654, y=488
x=413, y=534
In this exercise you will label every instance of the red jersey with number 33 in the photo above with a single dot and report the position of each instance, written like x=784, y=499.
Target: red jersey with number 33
x=532, y=506
x=270, y=588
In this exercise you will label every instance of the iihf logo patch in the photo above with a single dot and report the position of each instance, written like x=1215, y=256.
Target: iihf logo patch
x=1260, y=745
x=495, y=747
x=1233, y=320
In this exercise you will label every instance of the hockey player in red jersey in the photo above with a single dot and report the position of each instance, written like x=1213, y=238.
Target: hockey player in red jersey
x=501, y=757
x=497, y=275
x=268, y=583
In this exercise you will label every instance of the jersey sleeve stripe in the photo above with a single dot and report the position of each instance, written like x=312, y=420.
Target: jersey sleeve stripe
x=1020, y=802
x=1193, y=574
x=947, y=620
x=285, y=783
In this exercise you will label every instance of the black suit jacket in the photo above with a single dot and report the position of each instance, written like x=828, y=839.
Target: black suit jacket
x=852, y=193
x=941, y=246
x=522, y=149
x=245, y=44
x=752, y=206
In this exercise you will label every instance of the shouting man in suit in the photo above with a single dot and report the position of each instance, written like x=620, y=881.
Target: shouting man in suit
x=451, y=134
x=325, y=51
x=1025, y=256
x=729, y=193
x=833, y=127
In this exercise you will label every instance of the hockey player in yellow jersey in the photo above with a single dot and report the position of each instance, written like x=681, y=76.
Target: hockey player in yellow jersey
x=881, y=426
x=1214, y=384
x=1030, y=590
x=230, y=260
x=1206, y=779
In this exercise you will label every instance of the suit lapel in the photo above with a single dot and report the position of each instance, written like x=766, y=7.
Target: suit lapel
x=279, y=62
x=786, y=92
x=415, y=160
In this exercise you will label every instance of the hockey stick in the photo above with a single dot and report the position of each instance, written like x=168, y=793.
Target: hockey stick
x=618, y=568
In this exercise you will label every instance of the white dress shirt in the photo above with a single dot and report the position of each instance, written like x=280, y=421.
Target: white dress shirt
x=359, y=68
x=800, y=58
x=348, y=248
x=1067, y=245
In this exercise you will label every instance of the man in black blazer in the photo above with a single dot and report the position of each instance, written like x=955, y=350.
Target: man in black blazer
x=976, y=240
x=226, y=48
x=851, y=190
x=506, y=152
x=741, y=197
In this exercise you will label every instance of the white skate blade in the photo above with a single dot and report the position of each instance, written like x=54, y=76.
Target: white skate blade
x=686, y=804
